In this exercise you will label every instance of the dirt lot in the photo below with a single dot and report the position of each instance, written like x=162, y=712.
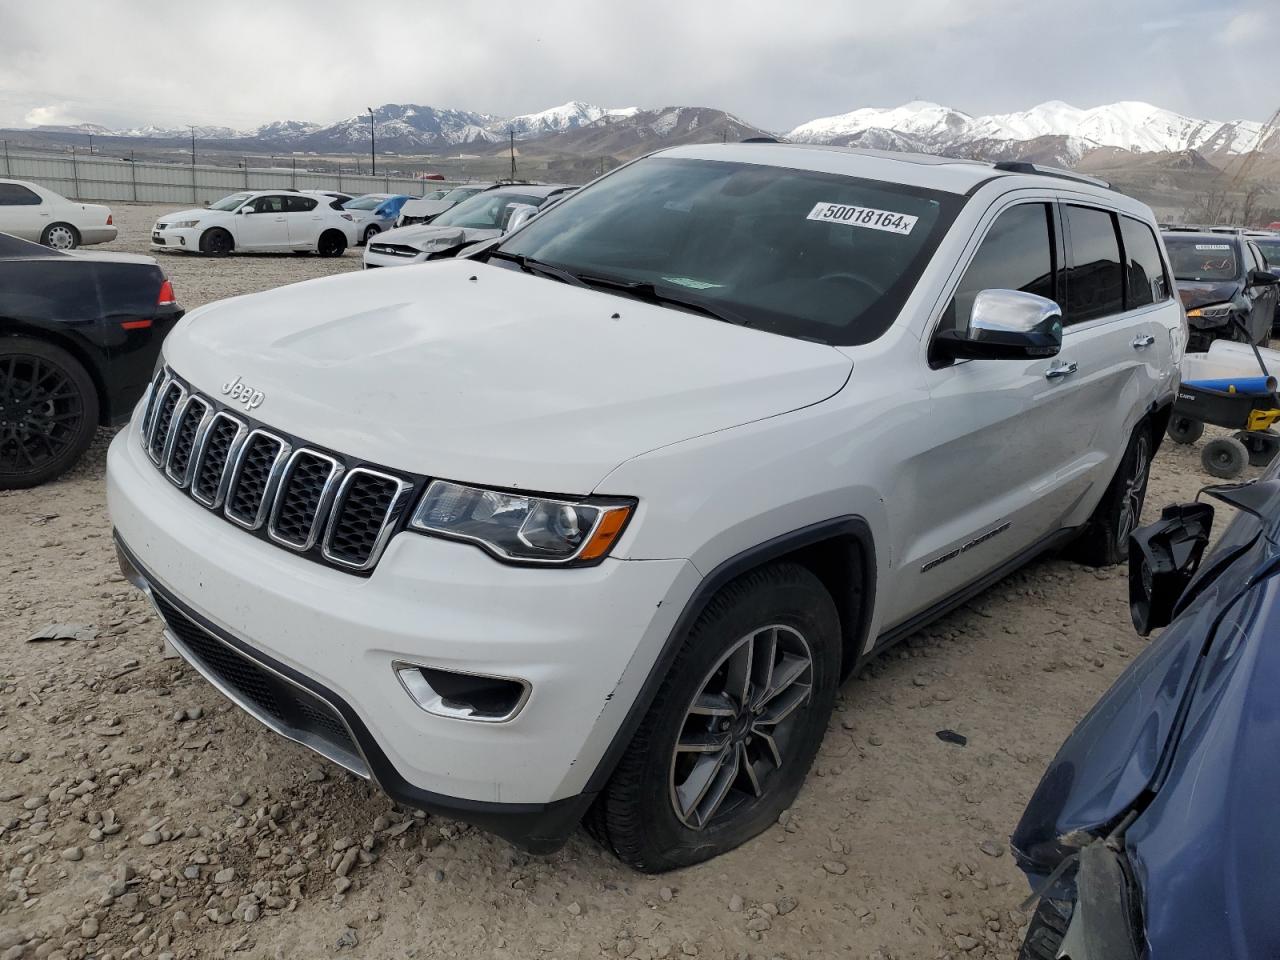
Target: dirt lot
x=142, y=816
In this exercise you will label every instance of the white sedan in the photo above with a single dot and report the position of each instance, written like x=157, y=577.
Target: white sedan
x=30, y=211
x=261, y=221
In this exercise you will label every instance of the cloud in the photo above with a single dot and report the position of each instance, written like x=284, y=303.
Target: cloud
x=48, y=115
x=245, y=62
x=1245, y=28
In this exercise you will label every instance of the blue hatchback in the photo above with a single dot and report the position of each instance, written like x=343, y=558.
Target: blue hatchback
x=1154, y=832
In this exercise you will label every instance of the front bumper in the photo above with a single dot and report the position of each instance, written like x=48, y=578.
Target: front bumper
x=372, y=258
x=186, y=239
x=584, y=638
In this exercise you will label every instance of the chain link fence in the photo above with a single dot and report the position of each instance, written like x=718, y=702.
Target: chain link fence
x=94, y=177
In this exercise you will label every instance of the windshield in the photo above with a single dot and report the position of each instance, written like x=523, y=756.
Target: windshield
x=231, y=202
x=796, y=252
x=1202, y=258
x=435, y=195
x=458, y=194
x=484, y=211
x=1271, y=250
x=369, y=201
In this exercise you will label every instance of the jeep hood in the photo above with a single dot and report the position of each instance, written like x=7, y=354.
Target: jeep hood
x=482, y=374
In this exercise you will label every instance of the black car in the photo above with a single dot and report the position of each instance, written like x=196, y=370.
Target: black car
x=1225, y=287
x=79, y=336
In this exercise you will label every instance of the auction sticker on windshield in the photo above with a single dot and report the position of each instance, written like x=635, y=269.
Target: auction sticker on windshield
x=867, y=217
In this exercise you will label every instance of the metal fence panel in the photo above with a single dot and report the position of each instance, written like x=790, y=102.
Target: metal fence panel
x=101, y=178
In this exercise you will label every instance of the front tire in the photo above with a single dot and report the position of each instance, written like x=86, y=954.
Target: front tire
x=1184, y=430
x=1105, y=539
x=1224, y=458
x=732, y=732
x=331, y=244
x=60, y=236
x=216, y=242
x=48, y=411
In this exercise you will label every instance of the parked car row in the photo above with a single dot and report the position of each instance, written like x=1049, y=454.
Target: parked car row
x=485, y=215
x=1227, y=285
x=32, y=212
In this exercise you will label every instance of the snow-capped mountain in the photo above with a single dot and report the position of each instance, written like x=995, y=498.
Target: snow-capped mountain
x=567, y=116
x=286, y=131
x=1127, y=125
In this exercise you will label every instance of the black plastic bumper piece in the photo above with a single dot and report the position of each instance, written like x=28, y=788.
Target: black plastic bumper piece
x=539, y=828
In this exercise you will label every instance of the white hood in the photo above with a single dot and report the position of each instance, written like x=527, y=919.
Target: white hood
x=425, y=236
x=481, y=374
x=195, y=213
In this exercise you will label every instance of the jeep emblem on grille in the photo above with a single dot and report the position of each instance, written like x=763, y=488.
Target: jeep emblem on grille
x=241, y=392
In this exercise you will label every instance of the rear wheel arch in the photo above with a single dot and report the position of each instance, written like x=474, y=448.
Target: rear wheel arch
x=91, y=365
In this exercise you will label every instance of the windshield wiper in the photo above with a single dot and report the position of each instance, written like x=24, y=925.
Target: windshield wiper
x=645, y=290
x=529, y=265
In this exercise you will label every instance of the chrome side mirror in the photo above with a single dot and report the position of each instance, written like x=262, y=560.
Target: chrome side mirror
x=519, y=215
x=1005, y=325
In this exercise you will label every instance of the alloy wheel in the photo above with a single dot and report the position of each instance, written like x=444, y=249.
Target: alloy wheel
x=737, y=731
x=40, y=413
x=1135, y=492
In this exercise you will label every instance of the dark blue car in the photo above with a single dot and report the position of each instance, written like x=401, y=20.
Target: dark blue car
x=1155, y=832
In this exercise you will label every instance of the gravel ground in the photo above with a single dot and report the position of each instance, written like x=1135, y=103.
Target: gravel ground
x=143, y=816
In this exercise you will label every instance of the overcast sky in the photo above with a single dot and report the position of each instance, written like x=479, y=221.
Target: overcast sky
x=775, y=64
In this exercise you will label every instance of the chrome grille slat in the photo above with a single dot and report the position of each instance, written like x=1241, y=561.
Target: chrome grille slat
x=254, y=478
x=191, y=418
x=360, y=552
x=315, y=503
x=295, y=508
x=216, y=449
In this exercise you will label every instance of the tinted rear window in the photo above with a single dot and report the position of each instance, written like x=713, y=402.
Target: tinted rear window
x=1145, y=280
x=1094, y=279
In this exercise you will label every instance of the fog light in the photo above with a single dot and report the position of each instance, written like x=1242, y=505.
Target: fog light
x=462, y=696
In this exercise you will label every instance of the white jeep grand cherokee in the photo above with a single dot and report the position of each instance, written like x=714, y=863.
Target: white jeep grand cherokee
x=595, y=522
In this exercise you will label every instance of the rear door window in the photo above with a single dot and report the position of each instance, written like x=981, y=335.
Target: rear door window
x=300, y=204
x=1094, y=278
x=1016, y=254
x=1145, y=278
x=16, y=195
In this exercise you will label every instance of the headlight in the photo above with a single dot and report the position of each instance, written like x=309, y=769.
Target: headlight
x=185, y=223
x=1212, y=312
x=521, y=528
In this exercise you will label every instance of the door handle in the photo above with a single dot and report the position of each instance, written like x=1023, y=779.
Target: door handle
x=1143, y=340
x=1061, y=370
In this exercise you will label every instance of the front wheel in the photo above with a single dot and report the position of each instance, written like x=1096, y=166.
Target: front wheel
x=60, y=236
x=1224, y=458
x=1105, y=539
x=216, y=243
x=732, y=732
x=48, y=411
x=1184, y=430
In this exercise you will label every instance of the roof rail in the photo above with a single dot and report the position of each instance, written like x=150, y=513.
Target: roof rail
x=1024, y=166
x=761, y=140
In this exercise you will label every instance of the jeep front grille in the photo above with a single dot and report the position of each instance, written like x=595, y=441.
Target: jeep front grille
x=327, y=507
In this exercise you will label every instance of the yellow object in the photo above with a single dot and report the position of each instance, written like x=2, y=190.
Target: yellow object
x=1262, y=419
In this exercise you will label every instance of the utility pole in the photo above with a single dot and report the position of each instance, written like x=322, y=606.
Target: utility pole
x=373, y=145
x=512, y=133
x=91, y=144
x=195, y=198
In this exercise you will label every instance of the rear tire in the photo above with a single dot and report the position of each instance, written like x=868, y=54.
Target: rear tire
x=332, y=243
x=1262, y=446
x=369, y=234
x=668, y=805
x=60, y=236
x=1224, y=458
x=216, y=242
x=1184, y=429
x=1047, y=928
x=1105, y=539
x=48, y=411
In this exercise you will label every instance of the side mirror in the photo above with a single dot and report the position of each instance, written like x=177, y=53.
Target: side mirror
x=1262, y=278
x=1005, y=325
x=208, y=203
x=521, y=213
x=1163, y=557
x=247, y=208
